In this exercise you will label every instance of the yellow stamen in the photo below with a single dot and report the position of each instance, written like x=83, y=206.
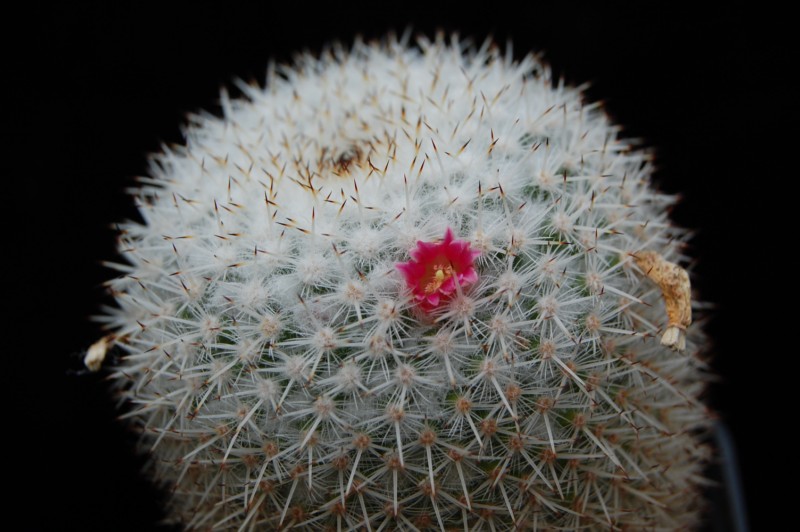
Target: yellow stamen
x=442, y=273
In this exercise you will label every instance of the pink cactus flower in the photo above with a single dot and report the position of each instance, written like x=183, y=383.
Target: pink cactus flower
x=435, y=269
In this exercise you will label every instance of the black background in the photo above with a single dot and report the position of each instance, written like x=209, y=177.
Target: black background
x=97, y=88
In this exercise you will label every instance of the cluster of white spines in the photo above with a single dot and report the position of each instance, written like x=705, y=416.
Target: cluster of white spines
x=284, y=377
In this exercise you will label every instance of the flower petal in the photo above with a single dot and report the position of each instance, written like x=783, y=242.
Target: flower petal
x=436, y=269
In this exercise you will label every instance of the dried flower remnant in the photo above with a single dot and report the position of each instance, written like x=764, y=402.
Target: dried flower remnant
x=676, y=290
x=436, y=270
x=97, y=353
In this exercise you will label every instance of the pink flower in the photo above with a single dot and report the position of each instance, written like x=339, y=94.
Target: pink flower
x=434, y=269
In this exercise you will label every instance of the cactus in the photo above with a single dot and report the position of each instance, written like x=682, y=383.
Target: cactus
x=403, y=287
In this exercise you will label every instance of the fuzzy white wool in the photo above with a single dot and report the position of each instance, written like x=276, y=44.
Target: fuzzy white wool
x=283, y=376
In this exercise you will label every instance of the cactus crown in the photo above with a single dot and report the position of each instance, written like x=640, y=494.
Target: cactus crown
x=283, y=367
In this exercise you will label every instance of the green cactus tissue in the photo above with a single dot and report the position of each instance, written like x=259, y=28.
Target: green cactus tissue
x=409, y=287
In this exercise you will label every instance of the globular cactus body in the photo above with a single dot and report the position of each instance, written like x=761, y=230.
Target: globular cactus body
x=285, y=371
